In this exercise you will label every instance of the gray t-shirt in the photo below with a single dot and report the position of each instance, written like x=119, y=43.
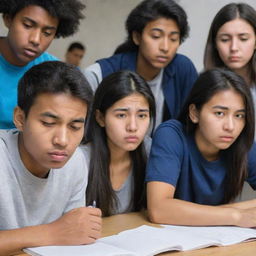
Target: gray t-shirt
x=125, y=193
x=26, y=200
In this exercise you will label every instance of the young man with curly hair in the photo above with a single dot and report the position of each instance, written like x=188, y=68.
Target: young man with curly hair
x=32, y=25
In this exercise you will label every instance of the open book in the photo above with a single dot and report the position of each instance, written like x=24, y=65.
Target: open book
x=146, y=240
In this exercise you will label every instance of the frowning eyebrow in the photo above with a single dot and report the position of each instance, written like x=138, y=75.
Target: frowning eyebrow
x=50, y=115
x=226, y=108
x=35, y=23
x=127, y=109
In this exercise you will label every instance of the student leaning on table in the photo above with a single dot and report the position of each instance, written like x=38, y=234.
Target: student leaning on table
x=198, y=164
x=43, y=173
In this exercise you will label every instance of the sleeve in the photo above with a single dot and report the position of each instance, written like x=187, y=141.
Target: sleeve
x=166, y=155
x=80, y=180
x=252, y=167
x=93, y=74
x=189, y=76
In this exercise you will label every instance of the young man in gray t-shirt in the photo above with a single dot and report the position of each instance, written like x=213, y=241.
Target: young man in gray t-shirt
x=43, y=172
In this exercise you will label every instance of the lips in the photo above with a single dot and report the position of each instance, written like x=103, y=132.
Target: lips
x=58, y=156
x=162, y=59
x=132, y=139
x=234, y=58
x=227, y=138
x=30, y=52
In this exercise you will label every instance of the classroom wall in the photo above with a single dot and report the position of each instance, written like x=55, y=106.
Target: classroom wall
x=103, y=29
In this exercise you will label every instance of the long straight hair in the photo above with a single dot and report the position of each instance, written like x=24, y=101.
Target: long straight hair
x=228, y=13
x=112, y=89
x=150, y=10
x=207, y=85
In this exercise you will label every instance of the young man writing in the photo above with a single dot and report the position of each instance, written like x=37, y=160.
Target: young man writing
x=43, y=173
x=32, y=25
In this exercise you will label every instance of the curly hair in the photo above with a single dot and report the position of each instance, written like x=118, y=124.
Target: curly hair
x=68, y=12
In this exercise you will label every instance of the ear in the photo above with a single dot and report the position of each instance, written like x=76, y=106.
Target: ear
x=136, y=37
x=19, y=118
x=100, y=118
x=7, y=20
x=193, y=114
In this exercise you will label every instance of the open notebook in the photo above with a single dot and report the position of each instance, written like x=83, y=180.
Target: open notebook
x=146, y=240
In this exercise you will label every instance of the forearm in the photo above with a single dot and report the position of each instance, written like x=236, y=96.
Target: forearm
x=179, y=212
x=15, y=240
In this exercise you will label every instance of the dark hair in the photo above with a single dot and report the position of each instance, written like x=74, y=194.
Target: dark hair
x=207, y=85
x=76, y=45
x=112, y=89
x=150, y=10
x=228, y=13
x=53, y=77
x=68, y=12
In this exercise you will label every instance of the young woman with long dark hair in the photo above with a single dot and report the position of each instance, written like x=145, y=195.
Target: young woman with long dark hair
x=198, y=163
x=123, y=110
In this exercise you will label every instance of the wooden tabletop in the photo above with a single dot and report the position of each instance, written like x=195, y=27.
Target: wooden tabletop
x=117, y=223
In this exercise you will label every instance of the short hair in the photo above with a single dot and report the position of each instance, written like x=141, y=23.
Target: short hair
x=68, y=12
x=150, y=10
x=52, y=77
x=228, y=13
x=75, y=45
x=206, y=86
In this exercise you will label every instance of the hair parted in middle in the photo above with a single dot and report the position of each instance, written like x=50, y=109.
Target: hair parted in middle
x=208, y=84
x=113, y=88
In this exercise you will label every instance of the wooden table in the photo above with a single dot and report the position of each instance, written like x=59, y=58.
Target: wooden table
x=115, y=224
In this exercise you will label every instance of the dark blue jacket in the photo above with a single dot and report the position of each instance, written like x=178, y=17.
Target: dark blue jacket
x=178, y=78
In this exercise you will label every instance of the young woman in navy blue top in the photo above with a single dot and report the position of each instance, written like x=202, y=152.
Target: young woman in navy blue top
x=198, y=165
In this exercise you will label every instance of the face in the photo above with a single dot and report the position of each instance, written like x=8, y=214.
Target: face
x=51, y=132
x=31, y=31
x=126, y=123
x=75, y=56
x=158, y=44
x=219, y=123
x=235, y=42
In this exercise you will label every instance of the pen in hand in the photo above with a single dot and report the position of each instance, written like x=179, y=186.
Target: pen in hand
x=93, y=204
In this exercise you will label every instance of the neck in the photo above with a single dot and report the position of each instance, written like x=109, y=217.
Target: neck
x=245, y=74
x=209, y=152
x=146, y=71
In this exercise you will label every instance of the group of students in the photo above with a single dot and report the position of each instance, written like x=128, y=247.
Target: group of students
x=71, y=147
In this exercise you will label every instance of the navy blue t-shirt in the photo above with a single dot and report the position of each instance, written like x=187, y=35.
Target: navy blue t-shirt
x=175, y=159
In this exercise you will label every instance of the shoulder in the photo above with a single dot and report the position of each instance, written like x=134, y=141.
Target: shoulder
x=169, y=134
x=93, y=75
x=181, y=63
x=7, y=136
x=44, y=57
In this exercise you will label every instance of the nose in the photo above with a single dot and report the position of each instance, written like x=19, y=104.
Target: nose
x=229, y=124
x=234, y=44
x=164, y=45
x=35, y=37
x=60, y=138
x=132, y=125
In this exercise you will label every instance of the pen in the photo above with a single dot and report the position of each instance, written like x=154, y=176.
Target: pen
x=94, y=204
